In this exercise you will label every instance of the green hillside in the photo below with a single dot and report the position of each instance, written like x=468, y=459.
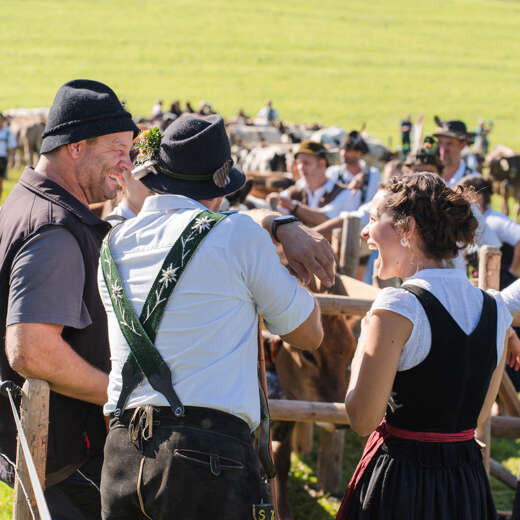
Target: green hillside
x=330, y=61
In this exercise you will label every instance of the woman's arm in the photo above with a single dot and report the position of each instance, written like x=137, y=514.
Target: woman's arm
x=494, y=385
x=374, y=366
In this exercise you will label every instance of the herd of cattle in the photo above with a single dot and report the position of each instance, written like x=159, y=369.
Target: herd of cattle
x=266, y=154
x=261, y=149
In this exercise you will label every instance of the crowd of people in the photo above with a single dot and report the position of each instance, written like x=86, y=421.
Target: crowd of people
x=145, y=324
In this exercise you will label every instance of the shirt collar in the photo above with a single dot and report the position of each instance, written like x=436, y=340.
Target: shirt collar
x=50, y=190
x=169, y=202
x=324, y=188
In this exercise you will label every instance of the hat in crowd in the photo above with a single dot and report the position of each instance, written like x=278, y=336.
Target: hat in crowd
x=454, y=128
x=427, y=154
x=312, y=148
x=355, y=142
x=192, y=158
x=83, y=109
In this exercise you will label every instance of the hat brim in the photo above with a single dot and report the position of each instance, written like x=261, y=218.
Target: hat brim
x=460, y=137
x=88, y=130
x=197, y=190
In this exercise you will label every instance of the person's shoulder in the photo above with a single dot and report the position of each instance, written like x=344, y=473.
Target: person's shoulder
x=393, y=296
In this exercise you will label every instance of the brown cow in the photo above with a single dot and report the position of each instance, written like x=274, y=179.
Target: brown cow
x=321, y=375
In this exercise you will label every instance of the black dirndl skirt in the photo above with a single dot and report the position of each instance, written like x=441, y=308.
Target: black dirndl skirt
x=413, y=480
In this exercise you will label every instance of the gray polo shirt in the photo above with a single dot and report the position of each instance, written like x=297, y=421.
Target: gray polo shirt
x=47, y=281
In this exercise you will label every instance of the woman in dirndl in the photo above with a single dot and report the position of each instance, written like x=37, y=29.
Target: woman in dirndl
x=428, y=363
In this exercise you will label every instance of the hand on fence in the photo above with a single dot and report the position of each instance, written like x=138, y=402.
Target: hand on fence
x=513, y=350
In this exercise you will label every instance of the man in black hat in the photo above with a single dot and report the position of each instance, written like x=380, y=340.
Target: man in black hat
x=314, y=198
x=453, y=138
x=183, y=286
x=52, y=319
x=362, y=180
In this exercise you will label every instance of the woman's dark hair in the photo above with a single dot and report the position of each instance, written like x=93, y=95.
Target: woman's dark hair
x=444, y=218
x=480, y=185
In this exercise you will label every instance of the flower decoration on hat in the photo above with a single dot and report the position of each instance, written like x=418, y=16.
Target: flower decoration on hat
x=148, y=143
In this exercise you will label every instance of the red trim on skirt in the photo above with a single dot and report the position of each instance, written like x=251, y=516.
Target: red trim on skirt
x=374, y=442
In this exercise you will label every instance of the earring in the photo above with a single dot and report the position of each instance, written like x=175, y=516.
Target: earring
x=404, y=242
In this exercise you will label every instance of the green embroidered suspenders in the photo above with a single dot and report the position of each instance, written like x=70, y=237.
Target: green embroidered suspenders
x=140, y=332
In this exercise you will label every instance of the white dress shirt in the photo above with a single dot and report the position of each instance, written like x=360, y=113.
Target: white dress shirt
x=506, y=229
x=343, y=174
x=344, y=201
x=460, y=172
x=208, y=334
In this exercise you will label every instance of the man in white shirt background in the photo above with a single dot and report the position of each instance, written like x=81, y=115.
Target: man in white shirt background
x=7, y=146
x=361, y=179
x=185, y=449
x=315, y=198
x=453, y=138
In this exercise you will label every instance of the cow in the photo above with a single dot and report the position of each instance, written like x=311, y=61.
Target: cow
x=321, y=375
x=504, y=171
x=27, y=125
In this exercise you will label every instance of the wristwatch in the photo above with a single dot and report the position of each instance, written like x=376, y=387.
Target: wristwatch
x=280, y=221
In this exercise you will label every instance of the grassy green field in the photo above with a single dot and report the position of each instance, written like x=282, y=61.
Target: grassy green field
x=330, y=61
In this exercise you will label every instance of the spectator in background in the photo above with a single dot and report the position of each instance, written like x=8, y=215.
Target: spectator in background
x=7, y=147
x=315, y=198
x=175, y=108
x=406, y=129
x=362, y=180
x=506, y=229
x=481, y=137
x=268, y=113
x=453, y=138
x=157, y=110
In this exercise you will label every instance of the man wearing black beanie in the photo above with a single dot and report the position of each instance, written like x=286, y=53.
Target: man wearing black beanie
x=53, y=325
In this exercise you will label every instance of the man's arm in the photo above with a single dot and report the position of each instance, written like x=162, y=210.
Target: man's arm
x=308, y=335
x=46, y=288
x=309, y=216
x=307, y=252
x=38, y=350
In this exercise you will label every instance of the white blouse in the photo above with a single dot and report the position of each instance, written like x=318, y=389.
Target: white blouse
x=458, y=296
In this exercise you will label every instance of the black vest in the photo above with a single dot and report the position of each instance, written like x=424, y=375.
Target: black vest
x=445, y=392
x=76, y=428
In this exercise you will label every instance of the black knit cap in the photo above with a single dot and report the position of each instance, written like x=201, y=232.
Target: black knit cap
x=83, y=109
x=194, y=160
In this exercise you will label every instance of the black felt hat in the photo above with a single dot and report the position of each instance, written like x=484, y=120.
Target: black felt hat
x=455, y=128
x=83, y=109
x=193, y=159
x=355, y=142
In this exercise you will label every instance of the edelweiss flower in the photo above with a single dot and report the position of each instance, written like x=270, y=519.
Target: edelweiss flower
x=117, y=290
x=201, y=224
x=168, y=275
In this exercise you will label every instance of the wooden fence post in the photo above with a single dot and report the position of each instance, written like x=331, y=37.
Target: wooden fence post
x=488, y=278
x=350, y=244
x=330, y=459
x=34, y=416
x=336, y=242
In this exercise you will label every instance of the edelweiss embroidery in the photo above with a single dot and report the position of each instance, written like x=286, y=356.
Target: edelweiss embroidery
x=168, y=275
x=202, y=223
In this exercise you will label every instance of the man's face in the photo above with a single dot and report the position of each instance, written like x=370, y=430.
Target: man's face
x=450, y=149
x=351, y=157
x=103, y=163
x=312, y=168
